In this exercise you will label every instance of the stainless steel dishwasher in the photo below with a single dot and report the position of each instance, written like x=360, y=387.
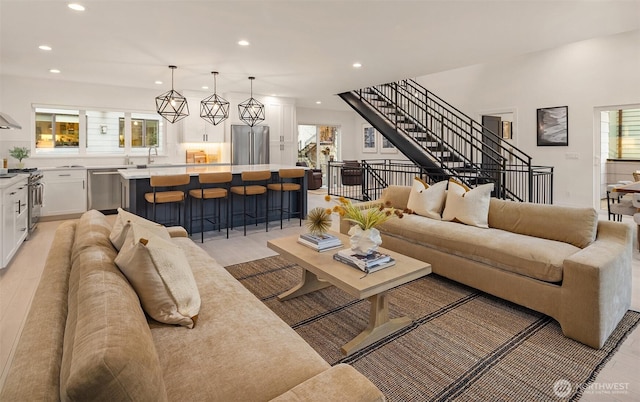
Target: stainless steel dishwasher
x=104, y=189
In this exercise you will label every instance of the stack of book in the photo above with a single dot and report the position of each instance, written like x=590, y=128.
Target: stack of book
x=366, y=263
x=321, y=242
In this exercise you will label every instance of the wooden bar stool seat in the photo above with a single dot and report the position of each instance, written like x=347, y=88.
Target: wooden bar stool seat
x=170, y=195
x=254, y=184
x=288, y=187
x=205, y=193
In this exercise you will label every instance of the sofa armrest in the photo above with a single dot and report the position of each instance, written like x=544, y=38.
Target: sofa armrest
x=340, y=383
x=345, y=225
x=177, y=231
x=596, y=285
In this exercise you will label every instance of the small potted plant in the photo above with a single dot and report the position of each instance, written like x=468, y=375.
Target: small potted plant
x=19, y=153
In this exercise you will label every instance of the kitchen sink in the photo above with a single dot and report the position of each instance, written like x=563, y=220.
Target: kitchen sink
x=70, y=166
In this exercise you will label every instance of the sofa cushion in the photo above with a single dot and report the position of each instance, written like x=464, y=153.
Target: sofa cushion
x=92, y=230
x=576, y=226
x=160, y=274
x=426, y=200
x=108, y=351
x=468, y=206
x=396, y=196
x=526, y=255
x=253, y=353
x=123, y=223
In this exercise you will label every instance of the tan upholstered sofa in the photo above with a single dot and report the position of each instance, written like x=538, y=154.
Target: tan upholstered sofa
x=559, y=261
x=87, y=338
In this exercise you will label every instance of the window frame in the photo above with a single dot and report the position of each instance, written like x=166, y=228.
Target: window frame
x=82, y=149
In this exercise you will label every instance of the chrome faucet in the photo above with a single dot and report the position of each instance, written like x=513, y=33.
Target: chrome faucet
x=149, y=160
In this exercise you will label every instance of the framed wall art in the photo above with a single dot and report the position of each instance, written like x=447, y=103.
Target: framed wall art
x=369, y=143
x=386, y=147
x=553, y=126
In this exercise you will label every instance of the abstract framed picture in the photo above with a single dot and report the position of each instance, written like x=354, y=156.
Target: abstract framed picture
x=386, y=147
x=553, y=126
x=369, y=143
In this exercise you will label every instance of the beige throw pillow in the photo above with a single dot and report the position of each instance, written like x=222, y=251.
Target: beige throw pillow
x=427, y=200
x=468, y=206
x=122, y=225
x=161, y=276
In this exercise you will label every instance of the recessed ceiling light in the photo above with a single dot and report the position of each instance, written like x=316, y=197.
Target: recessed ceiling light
x=274, y=94
x=318, y=103
x=243, y=42
x=357, y=65
x=44, y=47
x=158, y=82
x=76, y=6
x=205, y=87
x=54, y=71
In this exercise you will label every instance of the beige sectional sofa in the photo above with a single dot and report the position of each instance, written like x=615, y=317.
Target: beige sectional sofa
x=559, y=261
x=87, y=338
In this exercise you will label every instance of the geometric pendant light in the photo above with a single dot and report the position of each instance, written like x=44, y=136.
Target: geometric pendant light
x=214, y=109
x=172, y=105
x=251, y=111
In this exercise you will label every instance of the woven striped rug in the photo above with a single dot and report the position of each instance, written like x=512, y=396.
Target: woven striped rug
x=462, y=345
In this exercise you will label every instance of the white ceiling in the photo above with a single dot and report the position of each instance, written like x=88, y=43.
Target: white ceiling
x=299, y=49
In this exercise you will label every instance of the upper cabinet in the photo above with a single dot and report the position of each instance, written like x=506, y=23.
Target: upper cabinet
x=194, y=128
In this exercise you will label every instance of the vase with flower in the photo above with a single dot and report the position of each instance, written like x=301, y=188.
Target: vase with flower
x=364, y=236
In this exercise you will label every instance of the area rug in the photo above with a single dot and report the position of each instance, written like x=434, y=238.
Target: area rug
x=462, y=345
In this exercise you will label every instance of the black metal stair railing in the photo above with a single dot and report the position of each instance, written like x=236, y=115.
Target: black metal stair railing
x=454, y=143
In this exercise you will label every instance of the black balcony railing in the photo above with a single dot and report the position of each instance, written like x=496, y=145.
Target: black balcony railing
x=366, y=180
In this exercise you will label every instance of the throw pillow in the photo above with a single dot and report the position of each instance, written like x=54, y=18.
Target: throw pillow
x=468, y=206
x=161, y=276
x=122, y=225
x=427, y=200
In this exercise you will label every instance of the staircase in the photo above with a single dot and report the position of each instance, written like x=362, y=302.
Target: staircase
x=444, y=142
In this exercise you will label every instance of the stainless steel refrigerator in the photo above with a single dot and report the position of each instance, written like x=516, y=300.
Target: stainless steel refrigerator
x=249, y=145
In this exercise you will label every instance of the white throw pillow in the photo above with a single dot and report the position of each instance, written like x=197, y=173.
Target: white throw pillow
x=468, y=206
x=122, y=225
x=427, y=200
x=160, y=274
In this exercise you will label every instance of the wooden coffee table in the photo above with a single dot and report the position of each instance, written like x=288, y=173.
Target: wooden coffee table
x=320, y=270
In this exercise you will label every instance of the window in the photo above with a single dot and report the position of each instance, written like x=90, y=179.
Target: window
x=57, y=128
x=144, y=132
x=90, y=132
x=624, y=134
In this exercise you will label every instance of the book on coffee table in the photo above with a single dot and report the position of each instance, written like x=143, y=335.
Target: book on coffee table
x=366, y=263
x=320, y=242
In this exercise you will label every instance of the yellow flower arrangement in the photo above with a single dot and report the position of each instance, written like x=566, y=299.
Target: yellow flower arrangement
x=365, y=218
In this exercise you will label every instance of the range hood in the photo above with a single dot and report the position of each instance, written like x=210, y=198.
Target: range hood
x=7, y=123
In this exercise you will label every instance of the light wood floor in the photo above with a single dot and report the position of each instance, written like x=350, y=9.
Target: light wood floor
x=20, y=279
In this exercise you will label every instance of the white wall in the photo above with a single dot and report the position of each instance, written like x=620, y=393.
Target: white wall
x=583, y=76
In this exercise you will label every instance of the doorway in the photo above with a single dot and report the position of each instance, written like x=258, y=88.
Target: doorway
x=617, y=147
x=317, y=145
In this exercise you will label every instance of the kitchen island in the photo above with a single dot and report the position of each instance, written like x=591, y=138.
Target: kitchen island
x=135, y=183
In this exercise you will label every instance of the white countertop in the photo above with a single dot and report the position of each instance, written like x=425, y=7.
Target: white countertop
x=9, y=181
x=194, y=170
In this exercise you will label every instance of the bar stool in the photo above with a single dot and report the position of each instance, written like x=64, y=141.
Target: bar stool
x=288, y=187
x=211, y=193
x=171, y=195
x=252, y=190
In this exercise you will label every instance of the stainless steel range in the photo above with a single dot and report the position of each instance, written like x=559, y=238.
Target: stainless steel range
x=34, y=197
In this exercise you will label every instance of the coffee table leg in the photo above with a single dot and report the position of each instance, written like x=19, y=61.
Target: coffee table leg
x=309, y=283
x=379, y=325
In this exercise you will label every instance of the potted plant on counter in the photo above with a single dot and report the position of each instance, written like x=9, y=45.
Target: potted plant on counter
x=19, y=153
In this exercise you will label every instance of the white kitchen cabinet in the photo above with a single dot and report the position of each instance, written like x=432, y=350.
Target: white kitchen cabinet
x=14, y=219
x=283, y=147
x=64, y=192
x=194, y=128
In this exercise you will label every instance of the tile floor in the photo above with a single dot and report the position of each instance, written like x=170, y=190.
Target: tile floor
x=20, y=279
